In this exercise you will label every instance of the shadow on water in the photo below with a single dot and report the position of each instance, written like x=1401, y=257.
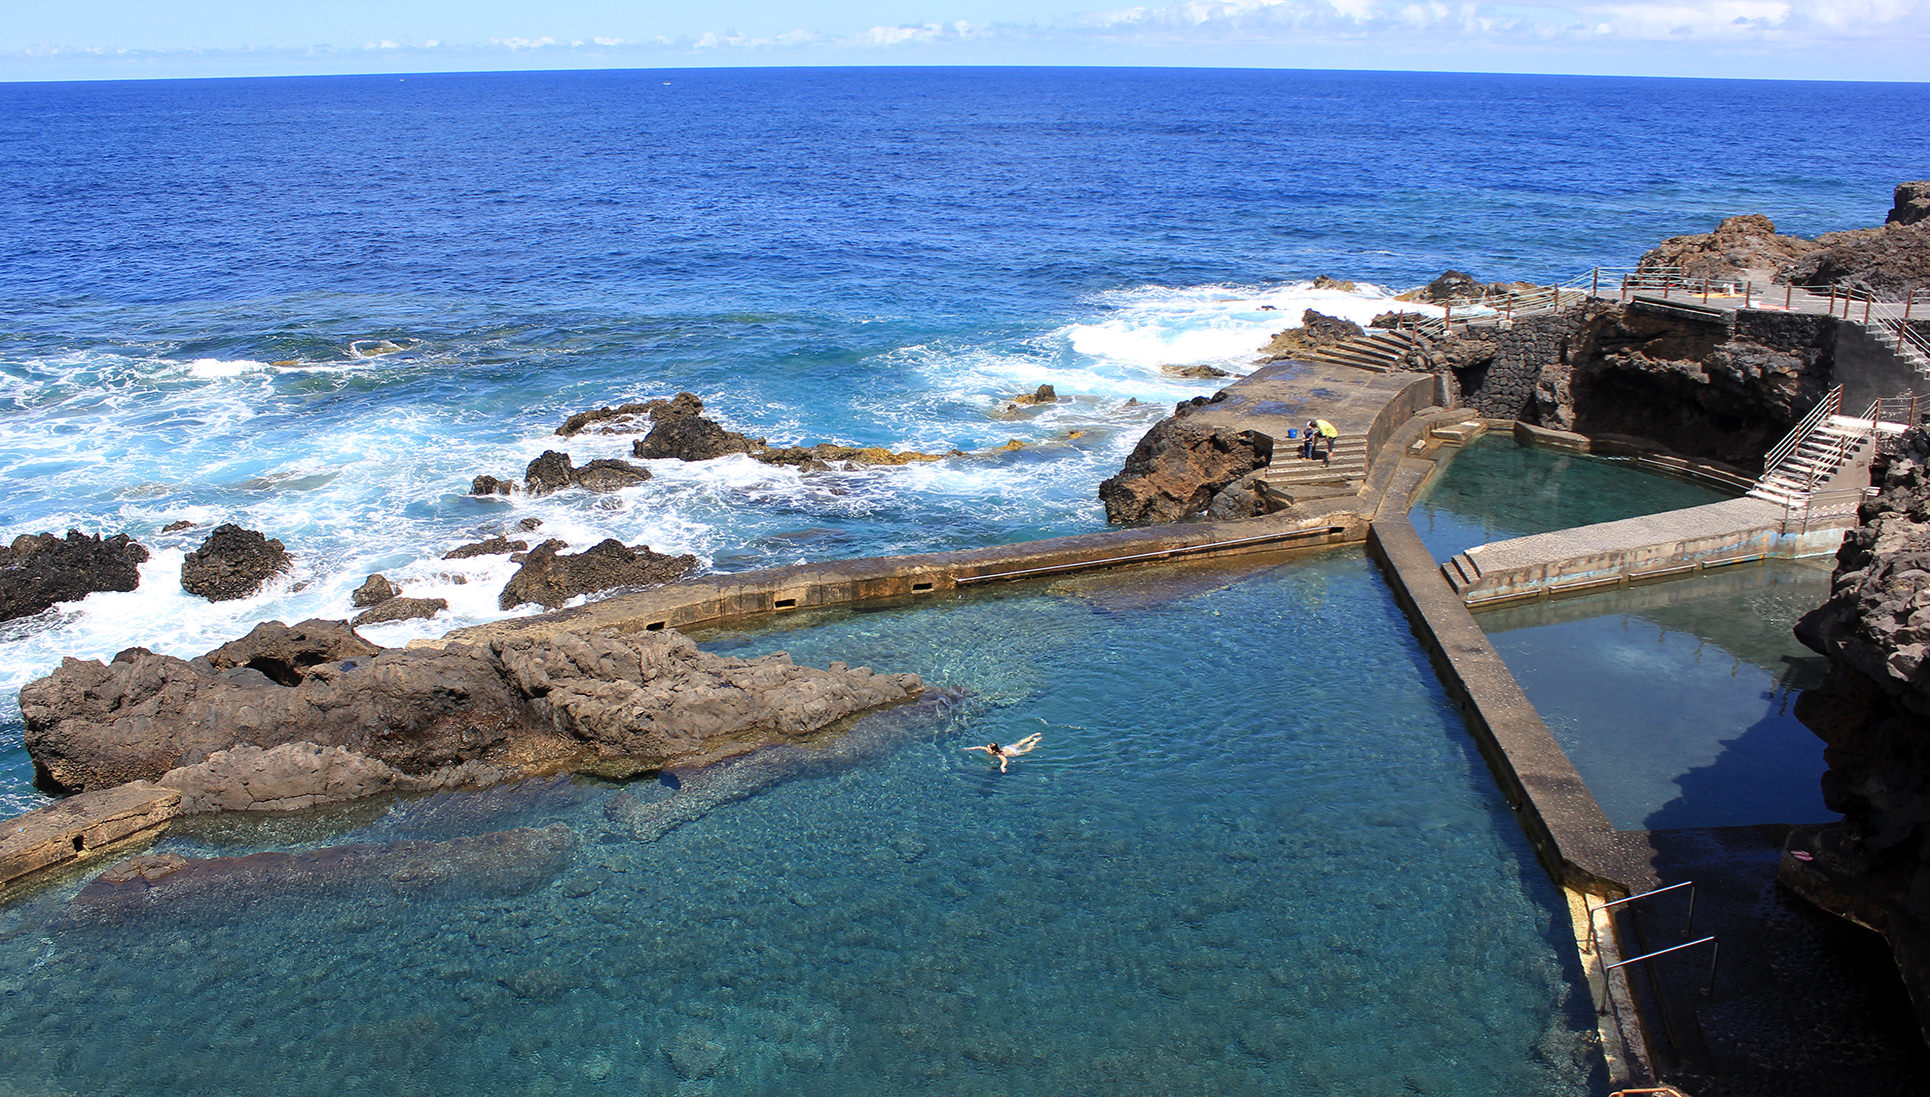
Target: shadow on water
x=1674, y=699
x=1753, y=779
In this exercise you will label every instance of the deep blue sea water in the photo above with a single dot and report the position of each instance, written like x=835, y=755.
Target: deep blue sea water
x=319, y=307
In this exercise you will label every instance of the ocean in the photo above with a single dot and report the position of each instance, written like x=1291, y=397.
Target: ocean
x=318, y=307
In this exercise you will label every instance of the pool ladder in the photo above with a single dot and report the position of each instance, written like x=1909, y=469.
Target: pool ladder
x=1715, y=947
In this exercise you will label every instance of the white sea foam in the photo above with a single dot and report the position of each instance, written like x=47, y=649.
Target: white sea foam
x=209, y=369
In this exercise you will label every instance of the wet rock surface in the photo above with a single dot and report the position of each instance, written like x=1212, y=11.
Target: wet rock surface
x=549, y=579
x=491, y=546
x=374, y=591
x=38, y=571
x=630, y=417
x=691, y=437
x=605, y=703
x=554, y=471
x=233, y=563
x=401, y=609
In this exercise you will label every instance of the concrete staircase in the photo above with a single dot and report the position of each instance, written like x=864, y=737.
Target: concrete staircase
x=1292, y=477
x=1378, y=352
x=1462, y=572
x=1818, y=460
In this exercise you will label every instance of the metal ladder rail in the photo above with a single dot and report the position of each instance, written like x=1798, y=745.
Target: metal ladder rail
x=1830, y=404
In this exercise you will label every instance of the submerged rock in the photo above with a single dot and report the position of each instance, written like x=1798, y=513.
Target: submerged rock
x=498, y=865
x=233, y=563
x=549, y=580
x=39, y=570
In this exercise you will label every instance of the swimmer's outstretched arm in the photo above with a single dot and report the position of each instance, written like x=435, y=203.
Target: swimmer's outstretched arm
x=987, y=750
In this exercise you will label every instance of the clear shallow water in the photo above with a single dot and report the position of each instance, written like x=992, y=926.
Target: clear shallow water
x=1229, y=868
x=451, y=264
x=1494, y=489
x=1674, y=700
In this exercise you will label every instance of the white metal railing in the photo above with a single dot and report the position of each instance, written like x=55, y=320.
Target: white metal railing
x=1830, y=404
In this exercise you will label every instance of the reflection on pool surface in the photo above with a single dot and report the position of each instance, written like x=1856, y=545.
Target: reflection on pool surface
x=1674, y=700
x=1494, y=489
x=1255, y=853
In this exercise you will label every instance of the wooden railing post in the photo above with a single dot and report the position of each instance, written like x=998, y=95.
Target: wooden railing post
x=1867, y=301
x=1595, y=285
x=1788, y=288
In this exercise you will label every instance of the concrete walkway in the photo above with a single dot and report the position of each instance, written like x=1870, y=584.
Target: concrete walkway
x=1650, y=546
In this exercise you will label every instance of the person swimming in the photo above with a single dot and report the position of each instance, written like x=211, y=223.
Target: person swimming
x=1006, y=754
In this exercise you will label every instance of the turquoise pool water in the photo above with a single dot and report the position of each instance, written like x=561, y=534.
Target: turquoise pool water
x=1255, y=853
x=1494, y=489
x=1673, y=700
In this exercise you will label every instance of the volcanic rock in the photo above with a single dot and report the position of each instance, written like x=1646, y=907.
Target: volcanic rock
x=1912, y=204
x=605, y=702
x=401, y=609
x=498, y=865
x=691, y=438
x=1392, y=320
x=1322, y=281
x=1740, y=249
x=284, y=653
x=374, y=591
x=489, y=485
x=826, y=455
x=1044, y=394
x=1176, y=470
x=39, y=570
x=550, y=580
x=1316, y=330
x=232, y=563
x=491, y=546
x=1888, y=261
x=1873, y=713
x=177, y=526
x=1197, y=372
x=1453, y=287
x=295, y=776
x=625, y=416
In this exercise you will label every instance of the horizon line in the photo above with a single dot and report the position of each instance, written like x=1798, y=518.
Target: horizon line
x=405, y=73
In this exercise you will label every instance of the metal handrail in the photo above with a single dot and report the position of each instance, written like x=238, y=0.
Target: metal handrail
x=1715, y=954
x=1830, y=404
x=1686, y=926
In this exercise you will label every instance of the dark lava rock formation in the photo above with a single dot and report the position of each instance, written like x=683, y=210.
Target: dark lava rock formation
x=627, y=417
x=549, y=580
x=1178, y=468
x=401, y=609
x=1741, y=248
x=498, y=545
x=232, y=563
x=39, y=570
x=691, y=437
x=1873, y=712
x=554, y=471
x=605, y=703
x=374, y=591
x=1316, y=329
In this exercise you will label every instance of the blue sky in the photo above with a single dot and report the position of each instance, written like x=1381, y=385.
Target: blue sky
x=1795, y=39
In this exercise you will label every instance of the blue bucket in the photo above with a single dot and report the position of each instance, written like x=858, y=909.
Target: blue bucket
x=1293, y=432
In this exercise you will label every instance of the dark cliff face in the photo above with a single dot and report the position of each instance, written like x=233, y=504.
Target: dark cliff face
x=1726, y=391
x=1873, y=713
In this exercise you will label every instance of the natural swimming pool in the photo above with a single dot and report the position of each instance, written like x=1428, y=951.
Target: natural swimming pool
x=1255, y=853
x=1672, y=699
x=1493, y=489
